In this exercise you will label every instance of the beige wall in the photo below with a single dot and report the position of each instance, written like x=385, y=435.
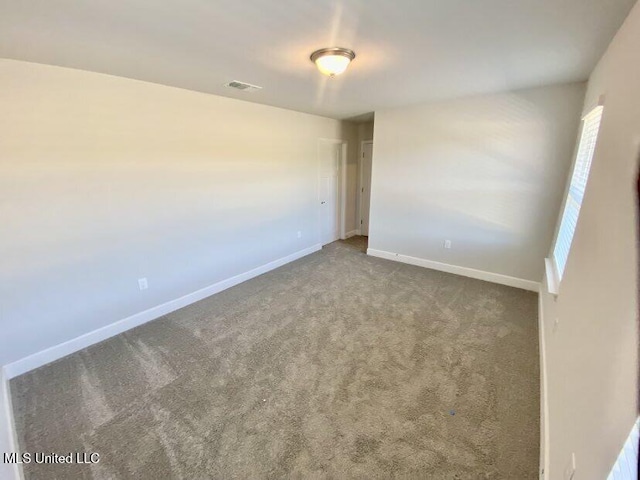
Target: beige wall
x=104, y=180
x=485, y=172
x=365, y=131
x=591, y=334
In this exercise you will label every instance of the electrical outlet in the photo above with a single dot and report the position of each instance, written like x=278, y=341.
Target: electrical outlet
x=447, y=244
x=143, y=284
x=570, y=469
x=299, y=234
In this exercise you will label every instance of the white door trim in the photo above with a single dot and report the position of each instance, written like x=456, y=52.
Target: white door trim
x=341, y=190
x=360, y=182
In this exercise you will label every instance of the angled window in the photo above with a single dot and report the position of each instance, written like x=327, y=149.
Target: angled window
x=577, y=186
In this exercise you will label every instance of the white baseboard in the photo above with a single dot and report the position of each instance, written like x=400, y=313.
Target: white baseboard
x=544, y=398
x=626, y=466
x=464, y=271
x=54, y=353
x=350, y=234
x=9, y=439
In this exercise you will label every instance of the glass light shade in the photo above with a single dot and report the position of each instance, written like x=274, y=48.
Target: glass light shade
x=332, y=61
x=332, y=65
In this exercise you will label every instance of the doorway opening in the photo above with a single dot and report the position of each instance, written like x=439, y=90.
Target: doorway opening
x=332, y=164
x=366, y=156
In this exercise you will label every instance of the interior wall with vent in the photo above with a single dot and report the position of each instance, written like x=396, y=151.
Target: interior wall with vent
x=105, y=180
x=591, y=328
x=485, y=172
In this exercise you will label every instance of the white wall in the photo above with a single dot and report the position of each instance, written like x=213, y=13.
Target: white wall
x=485, y=172
x=592, y=351
x=104, y=180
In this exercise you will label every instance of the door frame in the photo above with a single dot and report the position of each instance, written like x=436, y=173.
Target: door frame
x=341, y=189
x=360, y=183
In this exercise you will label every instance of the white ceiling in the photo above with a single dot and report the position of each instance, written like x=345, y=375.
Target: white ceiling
x=408, y=51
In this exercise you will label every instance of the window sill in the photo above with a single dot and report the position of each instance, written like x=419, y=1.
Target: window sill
x=553, y=283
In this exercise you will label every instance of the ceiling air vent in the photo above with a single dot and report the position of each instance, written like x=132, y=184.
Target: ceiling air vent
x=247, y=87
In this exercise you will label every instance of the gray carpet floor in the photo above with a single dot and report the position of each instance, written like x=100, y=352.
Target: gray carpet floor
x=338, y=365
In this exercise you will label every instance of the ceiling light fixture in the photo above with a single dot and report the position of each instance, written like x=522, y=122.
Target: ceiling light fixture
x=332, y=61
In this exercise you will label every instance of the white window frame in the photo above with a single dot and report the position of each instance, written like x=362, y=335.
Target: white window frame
x=574, y=196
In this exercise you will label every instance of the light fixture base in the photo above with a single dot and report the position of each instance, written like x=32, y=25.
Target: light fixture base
x=343, y=52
